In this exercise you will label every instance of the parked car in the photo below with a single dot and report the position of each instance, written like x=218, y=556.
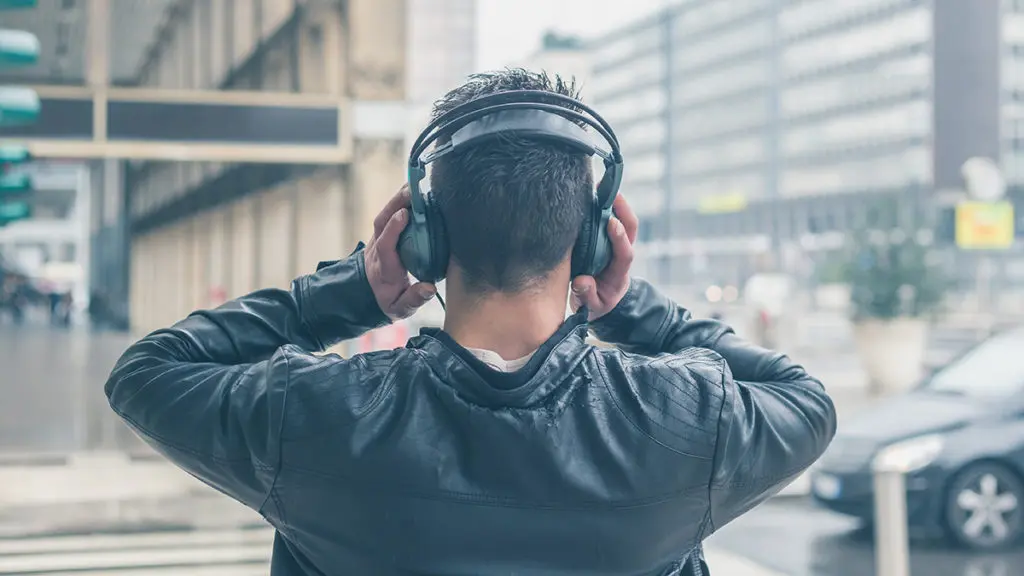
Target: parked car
x=961, y=432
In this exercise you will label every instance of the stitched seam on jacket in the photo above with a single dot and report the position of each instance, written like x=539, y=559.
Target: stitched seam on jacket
x=611, y=395
x=280, y=433
x=718, y=439
x=303, y=283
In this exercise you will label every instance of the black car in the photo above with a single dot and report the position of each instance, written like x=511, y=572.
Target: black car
x=961, y=431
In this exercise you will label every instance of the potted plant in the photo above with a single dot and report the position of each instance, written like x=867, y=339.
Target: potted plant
x=897, y=286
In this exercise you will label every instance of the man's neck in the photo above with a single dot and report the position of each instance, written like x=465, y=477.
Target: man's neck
x=512, y=325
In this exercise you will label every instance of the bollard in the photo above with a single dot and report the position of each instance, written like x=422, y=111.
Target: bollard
x=892, y=543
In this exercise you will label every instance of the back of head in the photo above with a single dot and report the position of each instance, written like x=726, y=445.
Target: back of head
x=512, y=206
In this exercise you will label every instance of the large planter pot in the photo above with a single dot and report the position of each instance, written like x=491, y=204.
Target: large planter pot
x=892, y=352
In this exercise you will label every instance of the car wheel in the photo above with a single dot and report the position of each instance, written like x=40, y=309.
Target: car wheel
x=984, y=507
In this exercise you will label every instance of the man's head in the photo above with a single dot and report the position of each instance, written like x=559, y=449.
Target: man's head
x=512, y=206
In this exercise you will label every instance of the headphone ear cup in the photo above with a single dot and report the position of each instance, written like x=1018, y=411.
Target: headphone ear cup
x=438, y=237
x=582, y=252
x=414, y=249
x=602, y=254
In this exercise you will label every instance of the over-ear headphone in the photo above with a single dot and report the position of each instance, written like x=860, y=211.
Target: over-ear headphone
x=423, y=245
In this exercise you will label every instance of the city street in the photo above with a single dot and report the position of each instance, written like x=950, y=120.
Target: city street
x=97, y=514
x=792, y=537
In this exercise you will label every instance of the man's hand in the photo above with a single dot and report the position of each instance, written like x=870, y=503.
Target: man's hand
x=397, y=297
x=601, y=294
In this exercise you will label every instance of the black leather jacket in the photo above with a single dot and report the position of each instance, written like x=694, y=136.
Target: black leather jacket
x=423, y=460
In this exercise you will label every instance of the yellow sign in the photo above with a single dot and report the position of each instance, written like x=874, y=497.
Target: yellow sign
x=984, y=225
x=722, y=204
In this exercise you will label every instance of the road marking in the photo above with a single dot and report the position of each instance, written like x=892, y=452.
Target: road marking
x=197, y=553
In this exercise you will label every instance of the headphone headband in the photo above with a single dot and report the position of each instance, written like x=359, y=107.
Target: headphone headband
x=525, y=112
x=535, y=114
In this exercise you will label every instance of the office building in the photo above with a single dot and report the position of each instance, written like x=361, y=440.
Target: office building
x=757, y=127
x=564, y=55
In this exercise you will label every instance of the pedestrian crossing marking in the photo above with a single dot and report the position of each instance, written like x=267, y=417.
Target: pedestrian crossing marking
x=197, y=553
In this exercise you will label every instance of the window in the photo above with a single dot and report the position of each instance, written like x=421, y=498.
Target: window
x=908, y=120
x=734, y=153
x=889, y=171
x=749, y=184
x=643, y=135
x=898, y=76
x=723, y=45
x=722, y=81
x=711, y=14
x=906, y=29
x=815, y=14
x=634, y=105
x=1012, y=73
x=645, y=169
x=638, y=72
x=1013, y=29
x=735, y=115
x=994, y=369
x=646, y=201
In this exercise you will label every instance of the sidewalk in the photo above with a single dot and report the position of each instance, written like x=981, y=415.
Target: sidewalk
x=729, y=564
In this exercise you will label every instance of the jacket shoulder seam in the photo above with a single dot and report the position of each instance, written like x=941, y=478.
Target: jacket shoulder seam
x=277, y=467
x=710, y=520
x=636, y=427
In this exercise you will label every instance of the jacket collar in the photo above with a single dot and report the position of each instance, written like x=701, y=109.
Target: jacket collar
x=479, y=383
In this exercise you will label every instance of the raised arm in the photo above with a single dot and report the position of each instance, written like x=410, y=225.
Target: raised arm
x=776, y=419
x=209, y=392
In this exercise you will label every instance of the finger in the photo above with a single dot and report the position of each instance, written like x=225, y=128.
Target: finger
x=387, y=242
x=584, y=291
x=400, y=200
x=413, y=298
x=622, y=252
x=624, y=212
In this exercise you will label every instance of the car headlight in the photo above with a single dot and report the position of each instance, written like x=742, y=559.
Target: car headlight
x=909, y=455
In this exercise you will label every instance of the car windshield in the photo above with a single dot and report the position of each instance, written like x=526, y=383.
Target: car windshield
x=993, y=368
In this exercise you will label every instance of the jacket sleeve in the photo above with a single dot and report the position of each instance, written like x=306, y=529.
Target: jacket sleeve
x=209, y=392
x=775, y=419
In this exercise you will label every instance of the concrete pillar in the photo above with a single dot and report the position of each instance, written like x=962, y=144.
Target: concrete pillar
x=277, y=237
x=243, y=247
x=219, y=257
x=375, y=71
x=321, y=220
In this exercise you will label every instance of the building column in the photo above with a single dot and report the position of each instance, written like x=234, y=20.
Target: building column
x=376, y=71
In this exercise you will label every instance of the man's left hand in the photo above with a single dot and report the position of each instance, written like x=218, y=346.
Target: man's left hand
x=397, y=297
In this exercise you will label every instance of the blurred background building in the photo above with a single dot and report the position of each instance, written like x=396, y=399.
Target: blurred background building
x=759, y=127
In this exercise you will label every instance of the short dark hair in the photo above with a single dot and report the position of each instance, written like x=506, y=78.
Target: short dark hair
x=512, y=206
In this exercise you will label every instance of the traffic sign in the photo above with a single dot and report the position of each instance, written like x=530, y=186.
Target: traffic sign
x=984, y=225
x=18, y=106
x=18, y=48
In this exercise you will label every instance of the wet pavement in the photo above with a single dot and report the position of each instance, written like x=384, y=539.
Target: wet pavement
x=793, y=537
x=51, y=390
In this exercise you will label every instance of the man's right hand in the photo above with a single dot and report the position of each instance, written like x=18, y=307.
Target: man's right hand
x=602, y=294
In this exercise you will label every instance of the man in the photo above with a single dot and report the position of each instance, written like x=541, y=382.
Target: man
x=503, y=443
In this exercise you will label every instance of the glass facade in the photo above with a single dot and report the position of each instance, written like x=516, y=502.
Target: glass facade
x=791, y=108
x=1012, y=75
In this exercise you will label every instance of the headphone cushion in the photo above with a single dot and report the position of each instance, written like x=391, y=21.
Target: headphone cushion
x=438, y=238
x=582, y=253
